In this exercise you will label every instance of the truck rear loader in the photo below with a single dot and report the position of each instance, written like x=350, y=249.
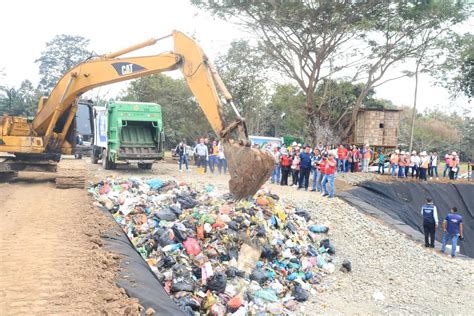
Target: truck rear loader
x=128, y=132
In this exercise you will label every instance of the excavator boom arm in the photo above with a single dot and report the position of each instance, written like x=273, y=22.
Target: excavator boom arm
x=91, y=74
x=249, y=168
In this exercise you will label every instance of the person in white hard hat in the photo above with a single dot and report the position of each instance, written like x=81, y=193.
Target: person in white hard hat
x=415, y=162
x=425, y=161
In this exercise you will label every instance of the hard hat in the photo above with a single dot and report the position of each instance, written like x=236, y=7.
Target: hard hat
x=366, y=145
x=397, y=151
x=294, y=144
x=299, y=145
x=423, y=153
x=413, y=152
x=403, y=153
x=454, y=153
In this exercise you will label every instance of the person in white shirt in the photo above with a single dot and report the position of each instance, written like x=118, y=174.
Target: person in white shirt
x=434, y=165
x=415, y=161
x=222, y=164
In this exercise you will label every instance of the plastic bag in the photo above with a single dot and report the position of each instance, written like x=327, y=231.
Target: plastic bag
x=155, y=184
x=182, y=286
x=299, y=293
x=217, y=282
x=267, y=295
x=259, y=275
x=192, y=246
x=303, y=213
x=165, y=214
x=318, y=229
x=346, y=266
x=186, y=201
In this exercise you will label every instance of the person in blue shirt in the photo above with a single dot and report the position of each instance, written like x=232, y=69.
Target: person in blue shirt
x=305, y=168
x=381, y=163
x=452, y=227
x=430, y=222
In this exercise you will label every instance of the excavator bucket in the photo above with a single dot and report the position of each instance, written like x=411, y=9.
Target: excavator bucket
x=249, y=169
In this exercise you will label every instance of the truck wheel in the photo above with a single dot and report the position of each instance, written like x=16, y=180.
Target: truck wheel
x=145, y=166
x=106, y=163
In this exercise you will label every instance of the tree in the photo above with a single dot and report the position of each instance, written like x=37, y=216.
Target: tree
x=21, y=101
x=182, y=116
x=437, y=131
x=399, y=31
x=62, y=53
x=310, y=41
x=299, y=38
x=286, y=111
x=243, y=70
x=456, y=71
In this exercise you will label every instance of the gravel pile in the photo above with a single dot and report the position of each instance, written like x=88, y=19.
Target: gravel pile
x=390, y=273
x=356, y=178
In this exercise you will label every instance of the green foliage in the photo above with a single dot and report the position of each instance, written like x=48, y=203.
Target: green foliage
x=243, y=70
x=21, y=101
x=456, y=71
x=437, y=131
x=62, y=53
x=182, y=116
x=286, y=111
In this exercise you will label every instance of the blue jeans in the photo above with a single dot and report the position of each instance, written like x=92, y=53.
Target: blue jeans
x=213, y=162
x=381, y=169
x=401, y=171
x=434, y=169
x=222, y=165
x=276, y=174
x=183, y=159
x=446, y=168
x=454, y=242
x=393, y=167
x=341, y=165
x=315, y=179
x=319, y=180
x=328, y=178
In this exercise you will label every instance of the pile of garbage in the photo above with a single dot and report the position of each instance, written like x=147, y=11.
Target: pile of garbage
x=215, y=256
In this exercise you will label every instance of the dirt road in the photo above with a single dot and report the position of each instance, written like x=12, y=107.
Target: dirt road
x=51, y=259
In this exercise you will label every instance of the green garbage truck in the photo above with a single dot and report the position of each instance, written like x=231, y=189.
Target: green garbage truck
x=128, y=132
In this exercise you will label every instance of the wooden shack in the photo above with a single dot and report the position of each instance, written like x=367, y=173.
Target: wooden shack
x=377, y=127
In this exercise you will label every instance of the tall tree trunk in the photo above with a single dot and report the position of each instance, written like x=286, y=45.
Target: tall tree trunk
x=413, y=116
x=357, y=105
x=317, y=129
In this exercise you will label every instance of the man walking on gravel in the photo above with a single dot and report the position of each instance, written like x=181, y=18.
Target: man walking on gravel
x=430, y=222
x=453, y=229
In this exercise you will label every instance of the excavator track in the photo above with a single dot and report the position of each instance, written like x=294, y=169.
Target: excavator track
x=71, y=173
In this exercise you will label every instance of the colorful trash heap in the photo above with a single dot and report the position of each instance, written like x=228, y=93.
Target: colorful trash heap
x=217, y=257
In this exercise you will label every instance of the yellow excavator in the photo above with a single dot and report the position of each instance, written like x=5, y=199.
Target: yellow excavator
x=36, y=144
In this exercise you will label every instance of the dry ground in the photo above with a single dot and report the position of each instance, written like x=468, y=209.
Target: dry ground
x=51, y=256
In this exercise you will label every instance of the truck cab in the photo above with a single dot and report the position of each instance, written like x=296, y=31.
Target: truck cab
x=128, y=132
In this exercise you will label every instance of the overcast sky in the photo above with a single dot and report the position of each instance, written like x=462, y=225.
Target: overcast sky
x=111, y=25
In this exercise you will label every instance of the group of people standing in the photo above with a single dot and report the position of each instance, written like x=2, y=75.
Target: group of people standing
x=404, y=165
x=207, y=156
